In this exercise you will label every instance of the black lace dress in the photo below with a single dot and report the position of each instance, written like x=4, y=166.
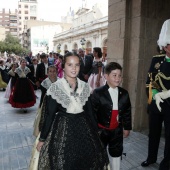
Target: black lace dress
x=70, y=131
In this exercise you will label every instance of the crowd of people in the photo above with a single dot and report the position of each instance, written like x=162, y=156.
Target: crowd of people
x=84, y=114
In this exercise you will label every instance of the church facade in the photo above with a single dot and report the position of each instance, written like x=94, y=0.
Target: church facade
x=89, y=29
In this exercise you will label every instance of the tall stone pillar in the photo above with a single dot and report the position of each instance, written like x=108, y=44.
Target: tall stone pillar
x=133, y=31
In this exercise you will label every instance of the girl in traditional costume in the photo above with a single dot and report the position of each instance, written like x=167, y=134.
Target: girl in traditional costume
x=52, y=77
x=69, y=138
x=22, y=95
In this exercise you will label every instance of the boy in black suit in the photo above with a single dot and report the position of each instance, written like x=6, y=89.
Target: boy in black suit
x=112, y=106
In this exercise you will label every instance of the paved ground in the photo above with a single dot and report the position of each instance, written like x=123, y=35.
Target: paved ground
x=16, y=141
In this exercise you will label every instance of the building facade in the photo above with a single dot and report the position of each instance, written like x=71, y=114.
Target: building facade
x=27, y=10
x=8, y=20
x=88, y=26
x=40, y=38
x=39, y=35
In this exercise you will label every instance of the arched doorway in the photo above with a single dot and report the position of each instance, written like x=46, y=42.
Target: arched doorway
x=75, y=47
x=88, y=47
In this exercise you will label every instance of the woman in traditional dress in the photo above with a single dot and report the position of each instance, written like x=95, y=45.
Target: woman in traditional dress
x=22, y=95
x=12, y=80
x=69, y=138
x=3, y=83
x=52, y=77
x=96, y=78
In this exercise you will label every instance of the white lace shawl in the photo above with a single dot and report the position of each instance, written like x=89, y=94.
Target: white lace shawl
x=22, y=73
x=46, y=83
x=11, y=72
x=61, y=92
x=2, y=67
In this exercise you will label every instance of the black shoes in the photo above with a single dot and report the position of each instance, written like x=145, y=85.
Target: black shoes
x=25, y=110
x=147, y=163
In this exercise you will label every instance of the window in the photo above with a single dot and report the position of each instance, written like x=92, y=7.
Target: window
x=26, y=6
x=33, y=18
x=19, y=17
x=26, y=18
x=19, y=6
x=19, y=12
x=26, y=12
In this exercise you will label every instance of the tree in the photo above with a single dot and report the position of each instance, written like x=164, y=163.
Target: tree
x=12, y=45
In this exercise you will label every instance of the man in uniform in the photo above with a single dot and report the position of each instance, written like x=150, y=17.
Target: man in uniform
x=158, y=84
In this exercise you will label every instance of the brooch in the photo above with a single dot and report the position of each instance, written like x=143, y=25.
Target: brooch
x=157, y=65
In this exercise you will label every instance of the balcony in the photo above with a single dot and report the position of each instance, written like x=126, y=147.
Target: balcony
x=13, y=25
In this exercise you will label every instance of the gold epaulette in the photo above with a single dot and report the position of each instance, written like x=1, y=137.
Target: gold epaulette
x=159, y=55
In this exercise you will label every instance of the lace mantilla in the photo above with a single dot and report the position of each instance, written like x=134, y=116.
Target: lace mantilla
x=62, y=93
x=22, y=73
x=46, y=83
x=11, y=72
x=2, y=67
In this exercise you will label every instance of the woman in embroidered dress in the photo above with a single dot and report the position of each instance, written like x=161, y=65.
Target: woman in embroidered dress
x=69, y=138
x=22, y=95
x=12, y=80
x=96, y=78
x=52, y=77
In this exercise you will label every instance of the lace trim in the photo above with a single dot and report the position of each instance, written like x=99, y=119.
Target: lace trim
x=11, y=72
x=46, y=83
x=85, y=94
x=22, y=73
x=56, y=93
x=2, y=67
x=61, y=93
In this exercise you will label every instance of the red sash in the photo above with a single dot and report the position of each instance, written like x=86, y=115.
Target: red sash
x=113, y=121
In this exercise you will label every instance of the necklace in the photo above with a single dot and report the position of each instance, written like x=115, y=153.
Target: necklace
x=73, y=93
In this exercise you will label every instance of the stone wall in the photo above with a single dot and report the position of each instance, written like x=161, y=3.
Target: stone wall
x=133, y=30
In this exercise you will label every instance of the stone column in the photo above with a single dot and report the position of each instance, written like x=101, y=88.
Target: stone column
x=133, y=30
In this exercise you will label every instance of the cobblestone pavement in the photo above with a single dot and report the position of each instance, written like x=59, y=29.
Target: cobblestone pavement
x=16, y=140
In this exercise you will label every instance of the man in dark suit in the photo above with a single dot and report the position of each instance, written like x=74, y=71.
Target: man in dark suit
x=158, y=83
x=33, y=68
x=86, y=65
x=41, y=72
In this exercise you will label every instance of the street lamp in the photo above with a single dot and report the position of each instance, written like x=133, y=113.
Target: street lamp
x=82, y=42
x=58, y=48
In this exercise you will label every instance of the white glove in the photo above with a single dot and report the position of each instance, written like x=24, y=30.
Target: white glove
x=161, y=95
